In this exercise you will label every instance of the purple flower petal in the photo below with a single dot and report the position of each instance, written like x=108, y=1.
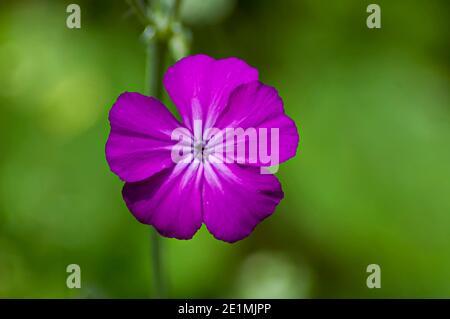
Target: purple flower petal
x=200, y=86
x=259, y=106
x=236, y=199
x=139, y=143
x=169, y=200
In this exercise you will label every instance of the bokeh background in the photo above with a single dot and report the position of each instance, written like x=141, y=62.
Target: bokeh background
x=370, y=183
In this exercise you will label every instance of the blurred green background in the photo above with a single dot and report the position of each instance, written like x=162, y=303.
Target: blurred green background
x=370, y=183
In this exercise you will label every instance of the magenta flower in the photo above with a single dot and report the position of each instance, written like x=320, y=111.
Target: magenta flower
x=176, y=197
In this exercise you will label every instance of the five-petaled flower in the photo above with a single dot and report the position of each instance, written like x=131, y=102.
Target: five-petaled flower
x=177, y=198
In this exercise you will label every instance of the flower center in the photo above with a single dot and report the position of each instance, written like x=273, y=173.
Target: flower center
x=200, y=150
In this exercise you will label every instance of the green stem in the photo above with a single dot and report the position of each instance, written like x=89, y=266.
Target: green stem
x=156, y=55
x=159, y=280
x=156, y=59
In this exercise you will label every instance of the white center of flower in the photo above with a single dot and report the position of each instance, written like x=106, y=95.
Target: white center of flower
x=201, y=150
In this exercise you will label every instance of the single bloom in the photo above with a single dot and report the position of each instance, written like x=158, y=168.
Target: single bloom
x=230, y=196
